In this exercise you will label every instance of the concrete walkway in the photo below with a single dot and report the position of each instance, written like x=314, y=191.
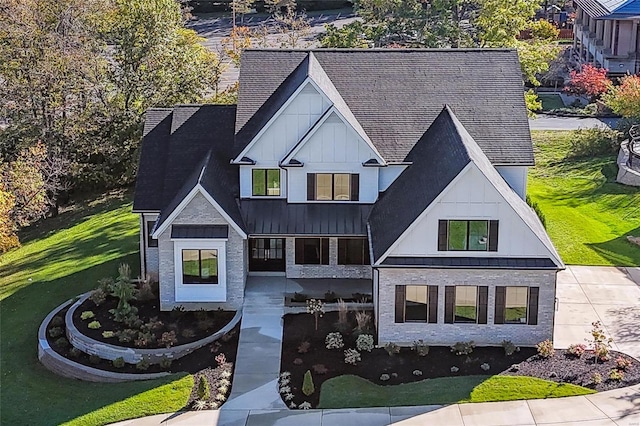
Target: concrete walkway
x=550, y=122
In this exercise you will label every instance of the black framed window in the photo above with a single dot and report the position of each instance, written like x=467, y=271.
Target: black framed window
x=151, y=242
x=353, y=251
x=516, y=305
x=333, y=186
x=312, y=251
x=199, y=266
x=466, y=304
x=266, y=182
x=468, y=235
x=416, y=303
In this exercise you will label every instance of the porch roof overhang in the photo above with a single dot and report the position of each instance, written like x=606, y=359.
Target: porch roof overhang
x=200, y=231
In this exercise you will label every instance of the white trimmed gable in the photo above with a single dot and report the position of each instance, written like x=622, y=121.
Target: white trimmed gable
x=471, y=196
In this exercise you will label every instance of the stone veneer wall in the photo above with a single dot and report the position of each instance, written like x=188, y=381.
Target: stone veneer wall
x=198, y=212
x=332, y=270
x=481, y=334
x=626, y=175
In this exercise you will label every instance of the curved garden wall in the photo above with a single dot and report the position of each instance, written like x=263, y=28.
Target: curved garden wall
x=626, y=175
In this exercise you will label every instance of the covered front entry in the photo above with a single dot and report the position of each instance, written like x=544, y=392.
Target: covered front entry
x=267, y=254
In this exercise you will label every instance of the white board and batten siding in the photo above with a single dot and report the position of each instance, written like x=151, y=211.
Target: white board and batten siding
x=471, y=197
x=334, y=147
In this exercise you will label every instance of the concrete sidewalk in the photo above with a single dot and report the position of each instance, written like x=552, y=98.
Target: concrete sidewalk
x=620, y=407
x=550, y=122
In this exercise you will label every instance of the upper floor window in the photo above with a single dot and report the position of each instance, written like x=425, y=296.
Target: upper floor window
x=468, y=235
x=353, y=251
x=333, y=186
x=266, y=182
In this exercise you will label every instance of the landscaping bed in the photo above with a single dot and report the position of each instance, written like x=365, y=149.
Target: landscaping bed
x=304, y=349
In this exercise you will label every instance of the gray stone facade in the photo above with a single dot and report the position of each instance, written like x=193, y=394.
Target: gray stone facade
x=481, y=334
x=332, y=270
x=199, y=211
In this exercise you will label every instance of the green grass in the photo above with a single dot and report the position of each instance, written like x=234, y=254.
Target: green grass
x=352, y=391
x=60, y=258
x=550, y=101
x=588, y=214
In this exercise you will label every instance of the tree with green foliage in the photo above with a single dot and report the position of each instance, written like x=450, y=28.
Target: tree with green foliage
x=624, y=99
x=240, y=7
x=307, y=384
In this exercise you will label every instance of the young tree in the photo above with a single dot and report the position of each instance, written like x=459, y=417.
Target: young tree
x=624, y=99
x=590, y=81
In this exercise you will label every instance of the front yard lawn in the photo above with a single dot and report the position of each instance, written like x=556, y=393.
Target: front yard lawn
x=352, y=391
x=61, y=258
x=588, y=214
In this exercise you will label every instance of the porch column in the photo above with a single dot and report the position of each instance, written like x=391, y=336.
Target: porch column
x=607, y=34
x=634, y=37
x=599, y=28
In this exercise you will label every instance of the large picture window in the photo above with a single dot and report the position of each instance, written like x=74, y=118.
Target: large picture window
x=468, y=235
x=333, y=186
x=353, y=251
x=266, y=182
x=199, y=266
x=312, y=251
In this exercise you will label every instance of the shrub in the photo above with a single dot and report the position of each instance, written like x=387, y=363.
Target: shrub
x=221, y=359
x=454, y=369
x=384, y=377
x=187, y=333
x=299, y=297
x=203, y=389
x=87, y=315
x=305, y=406
x=61, y=342
x=297, y=361
x=392, y=349
x=509, y=347
x=94, y=359
x=593, y=142
x=56, y=332
x=153, y=324
x=485, y=366
x=623, y=363
x=315, y=308
x=330, y=297
x=364, y=342
x=600, y=342
x=307, y=384
x=98, y=296
x=199, y=405
x=421, y=348
x=132, y=320
x=56, y=321
x=596, y=378
x=334, y=340
x=94, y=325
x=545, y=349
x=127, y=335
x=169, y=339
x=304, y=347
x=463, y=348
x=417, y=372
x=108, y=334
x=320, y=369
x=351, y=356
x=363, y=321
x=147, y=289
x=165, y=362
x=536, y=208
x=74, y=352
x=576, y=350
x=118, y=362
x=124, y=290
x=616, y=375
x=144, y=339
x=143, y=364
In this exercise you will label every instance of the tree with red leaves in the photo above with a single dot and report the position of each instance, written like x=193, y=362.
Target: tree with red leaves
x=590, y=81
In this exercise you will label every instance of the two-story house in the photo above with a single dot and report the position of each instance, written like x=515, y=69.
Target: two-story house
x=407, y=168
x=606, y=34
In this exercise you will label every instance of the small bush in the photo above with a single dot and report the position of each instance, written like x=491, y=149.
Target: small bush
x=299, y=297
x=127, y=335
x=200, y=405
x=169, y=339
x=596, y=378
x=463, y=348
x=421, y=348
x=334, y=341
x=307, y=384
x=623, y=363
x=98, y=296
x=593, y=142
x=118, y=362
x=74, y=352
x=94, y=359
x=304, y=347
x=143, y=364
x=61, y=342
x=417, y=373
x=351, y=356
x=221, y=359
x=87, y=315
x=330, y=297
x=56, y=321
x=545, y=349
x=132, y=320
x=94, y=325
x=187, y=333
x=297, y=361
x=165, y=362
x=203, y=389
x=56, y=332
x=147, y=290
x=536, y=208
x=363, y=321
x=454, y=369
x=576, y=350
x=392, y=349
x=108, y=334
x=384, y=377
x=485, y=366
x=305, y=406
x=509, y=347
x=364, y=342
x=320, y=369
x=144, y=339
x=616, y=375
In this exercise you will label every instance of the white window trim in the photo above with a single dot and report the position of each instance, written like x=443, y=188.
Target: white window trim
x=201, y=292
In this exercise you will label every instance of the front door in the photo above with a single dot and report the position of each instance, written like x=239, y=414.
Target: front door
x=266, y=254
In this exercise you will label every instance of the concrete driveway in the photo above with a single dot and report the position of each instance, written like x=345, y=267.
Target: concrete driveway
x=591, y=293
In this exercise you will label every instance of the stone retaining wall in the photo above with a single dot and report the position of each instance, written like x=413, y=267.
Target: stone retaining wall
x=626, y=175
x=62, y=366
x=135, y=355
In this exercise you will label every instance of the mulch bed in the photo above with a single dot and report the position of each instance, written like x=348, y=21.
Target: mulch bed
x=400, y=367
x=198, y=324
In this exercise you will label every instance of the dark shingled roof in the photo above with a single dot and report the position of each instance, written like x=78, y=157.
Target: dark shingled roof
x=472, y=262
x=396, y=94
x=440, y=155
x=265, y=217
x=200, y=231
